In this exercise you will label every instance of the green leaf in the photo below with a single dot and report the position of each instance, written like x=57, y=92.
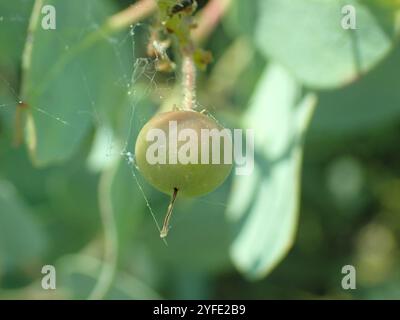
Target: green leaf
x=264, y=204
x=369, y=104
x=307, y=37
x=22, y=241
x=75, y=75
x=13, y=24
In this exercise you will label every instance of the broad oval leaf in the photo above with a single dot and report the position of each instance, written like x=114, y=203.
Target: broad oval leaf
x=264, y=204
x=74, y=75
x=13, y=25
x=307, y=37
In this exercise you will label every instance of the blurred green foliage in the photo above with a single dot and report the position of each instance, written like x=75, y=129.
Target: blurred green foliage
x=72, y=197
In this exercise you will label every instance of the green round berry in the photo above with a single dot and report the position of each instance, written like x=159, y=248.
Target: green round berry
x=193, y=177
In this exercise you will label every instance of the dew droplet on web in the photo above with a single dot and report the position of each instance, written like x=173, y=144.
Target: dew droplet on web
x=128, y=155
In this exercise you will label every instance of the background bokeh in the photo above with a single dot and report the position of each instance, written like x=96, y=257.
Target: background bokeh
x=325, y=193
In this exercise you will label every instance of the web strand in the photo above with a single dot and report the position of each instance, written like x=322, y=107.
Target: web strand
x=142, y=69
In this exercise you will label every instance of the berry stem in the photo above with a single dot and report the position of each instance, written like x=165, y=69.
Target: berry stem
x=165, y=228
x=188, y=82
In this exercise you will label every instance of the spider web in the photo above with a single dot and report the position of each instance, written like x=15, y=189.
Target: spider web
x=143, y=71
x=139, y=80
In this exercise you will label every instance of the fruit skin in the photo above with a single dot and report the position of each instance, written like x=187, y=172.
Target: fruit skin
x=190, y=179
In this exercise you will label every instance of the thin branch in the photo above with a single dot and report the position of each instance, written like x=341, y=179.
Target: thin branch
x=131, y=15
x=27, y=52
x=209, y=18
x=111, y=245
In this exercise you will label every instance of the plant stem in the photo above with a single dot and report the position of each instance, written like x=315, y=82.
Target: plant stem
x=188, y=82
x=27, y=52
x=209, y=18
x=111, y=245
x=133, y=14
